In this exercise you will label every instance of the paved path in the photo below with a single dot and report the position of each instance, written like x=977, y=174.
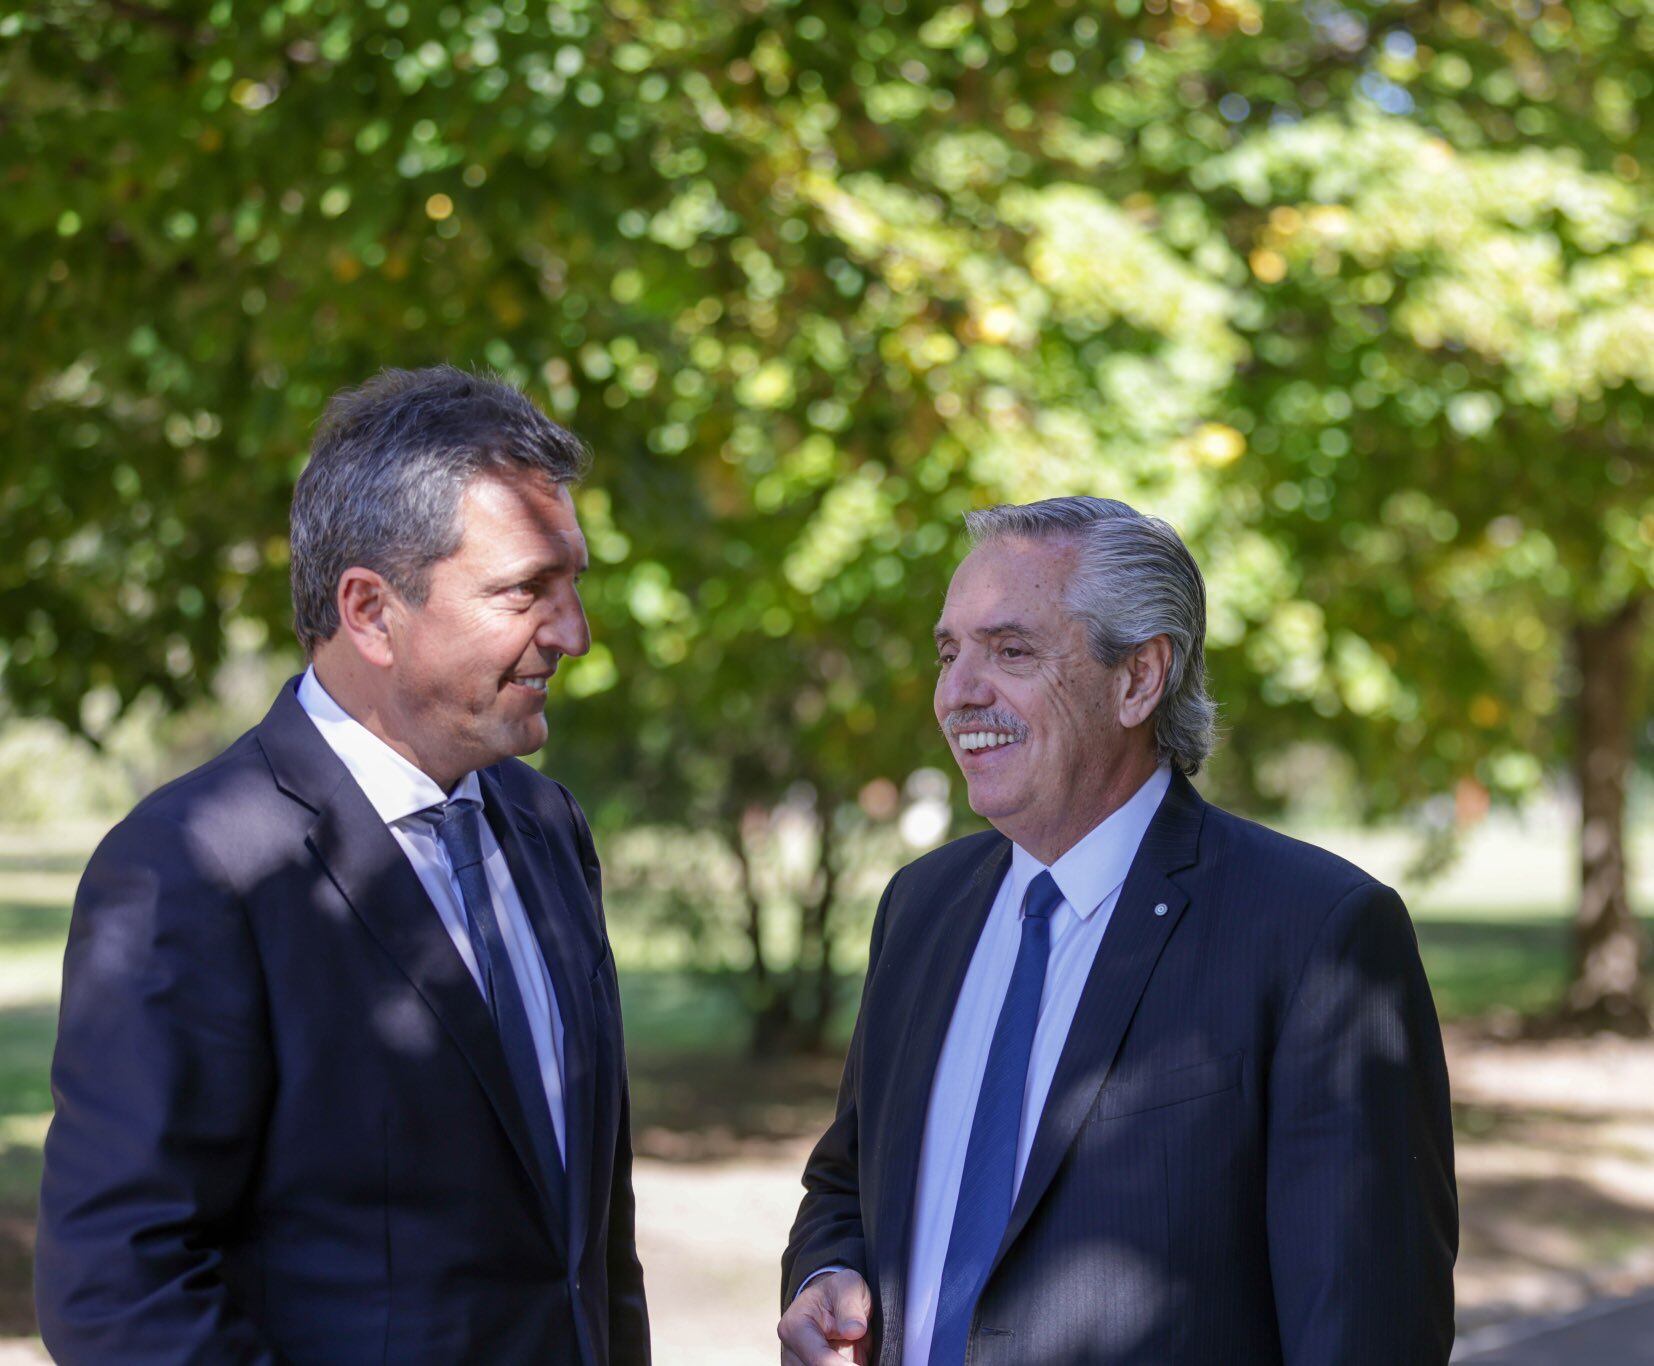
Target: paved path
x=1613, y=1333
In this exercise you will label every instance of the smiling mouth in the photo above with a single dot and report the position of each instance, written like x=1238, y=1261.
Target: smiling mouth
x=972, y=740
x=535, y=683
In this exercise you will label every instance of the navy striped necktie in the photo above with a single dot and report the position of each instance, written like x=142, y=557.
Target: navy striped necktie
x=459, y=827
x=989, y=1177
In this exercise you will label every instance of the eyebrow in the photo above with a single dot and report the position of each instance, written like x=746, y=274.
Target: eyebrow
x=541, y=569
x=1002, y=628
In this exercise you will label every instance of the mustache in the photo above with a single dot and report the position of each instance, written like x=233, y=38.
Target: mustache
x=980, y=718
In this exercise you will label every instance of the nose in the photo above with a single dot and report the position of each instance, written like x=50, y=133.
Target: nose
x=963, y=684
x=565, y=629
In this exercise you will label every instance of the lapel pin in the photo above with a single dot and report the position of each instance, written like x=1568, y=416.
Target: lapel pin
x=1160, y=908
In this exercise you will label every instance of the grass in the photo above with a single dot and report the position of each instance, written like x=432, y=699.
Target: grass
x=1479, y=966
x=676, y=1012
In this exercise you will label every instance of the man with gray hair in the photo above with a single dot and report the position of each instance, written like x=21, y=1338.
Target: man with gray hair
x=1133, y=1080
x=339, y=1074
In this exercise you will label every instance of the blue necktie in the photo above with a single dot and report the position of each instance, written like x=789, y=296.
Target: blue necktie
x=459, y=827
x=986, y=1184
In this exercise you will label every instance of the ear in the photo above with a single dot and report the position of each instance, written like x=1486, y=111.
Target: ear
x=366, y=603
x=1145, y=670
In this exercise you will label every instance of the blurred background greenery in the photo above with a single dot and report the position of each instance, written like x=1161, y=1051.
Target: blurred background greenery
x=1359, y=295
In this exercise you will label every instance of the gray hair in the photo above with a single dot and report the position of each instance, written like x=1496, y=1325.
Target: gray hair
x=389, y=465
x=1135, y=580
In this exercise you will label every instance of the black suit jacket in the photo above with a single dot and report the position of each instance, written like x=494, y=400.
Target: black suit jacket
x=284, y=1127
x=1246, y=1154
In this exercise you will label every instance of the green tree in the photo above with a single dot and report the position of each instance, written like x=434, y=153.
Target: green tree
x=1447, y=419
x=1446, y=218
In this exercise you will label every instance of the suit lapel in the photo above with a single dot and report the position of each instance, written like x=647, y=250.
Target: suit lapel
x=938, y=977
x=547, y=889
x=1136, y=934
x=367, y=865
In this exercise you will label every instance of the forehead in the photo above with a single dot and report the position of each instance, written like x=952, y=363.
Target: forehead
x=517, y=504
x=1009, y=578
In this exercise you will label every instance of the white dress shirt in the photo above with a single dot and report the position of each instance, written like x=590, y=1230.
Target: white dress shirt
x=398, y=791
x=1089, y=876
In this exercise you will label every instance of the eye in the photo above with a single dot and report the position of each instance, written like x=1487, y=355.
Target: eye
x=943, y=660
x=1012, y=652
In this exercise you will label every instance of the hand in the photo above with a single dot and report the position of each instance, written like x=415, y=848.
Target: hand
x=827, y=1323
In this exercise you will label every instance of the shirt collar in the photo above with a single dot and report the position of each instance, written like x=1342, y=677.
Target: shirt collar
x=395, y=788
x=1093, y=870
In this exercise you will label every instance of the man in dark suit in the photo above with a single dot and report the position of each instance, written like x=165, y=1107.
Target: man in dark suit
x=339, y=1073
x=1134, y=1080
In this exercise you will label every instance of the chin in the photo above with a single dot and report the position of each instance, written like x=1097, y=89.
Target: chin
x=988, y=804
x=530, y=737
x=513, y=739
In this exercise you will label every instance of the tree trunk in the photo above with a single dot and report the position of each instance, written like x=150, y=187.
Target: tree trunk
x=1607, y=991
x=755, y=909
x=822, y=996
x=791, y=1012
x=768, y=1004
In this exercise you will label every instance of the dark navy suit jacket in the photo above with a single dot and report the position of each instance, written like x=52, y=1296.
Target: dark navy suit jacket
x=1246, y=1155
x=285, y=1129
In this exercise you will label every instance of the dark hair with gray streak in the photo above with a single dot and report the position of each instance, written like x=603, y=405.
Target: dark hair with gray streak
x=389, y=465
x=1135, y=580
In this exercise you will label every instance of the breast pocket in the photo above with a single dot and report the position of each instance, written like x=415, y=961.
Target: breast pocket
x=1136, y=1094
x=1151, y=1143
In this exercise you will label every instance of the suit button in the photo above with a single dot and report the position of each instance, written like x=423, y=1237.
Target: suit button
x=1160, y=908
